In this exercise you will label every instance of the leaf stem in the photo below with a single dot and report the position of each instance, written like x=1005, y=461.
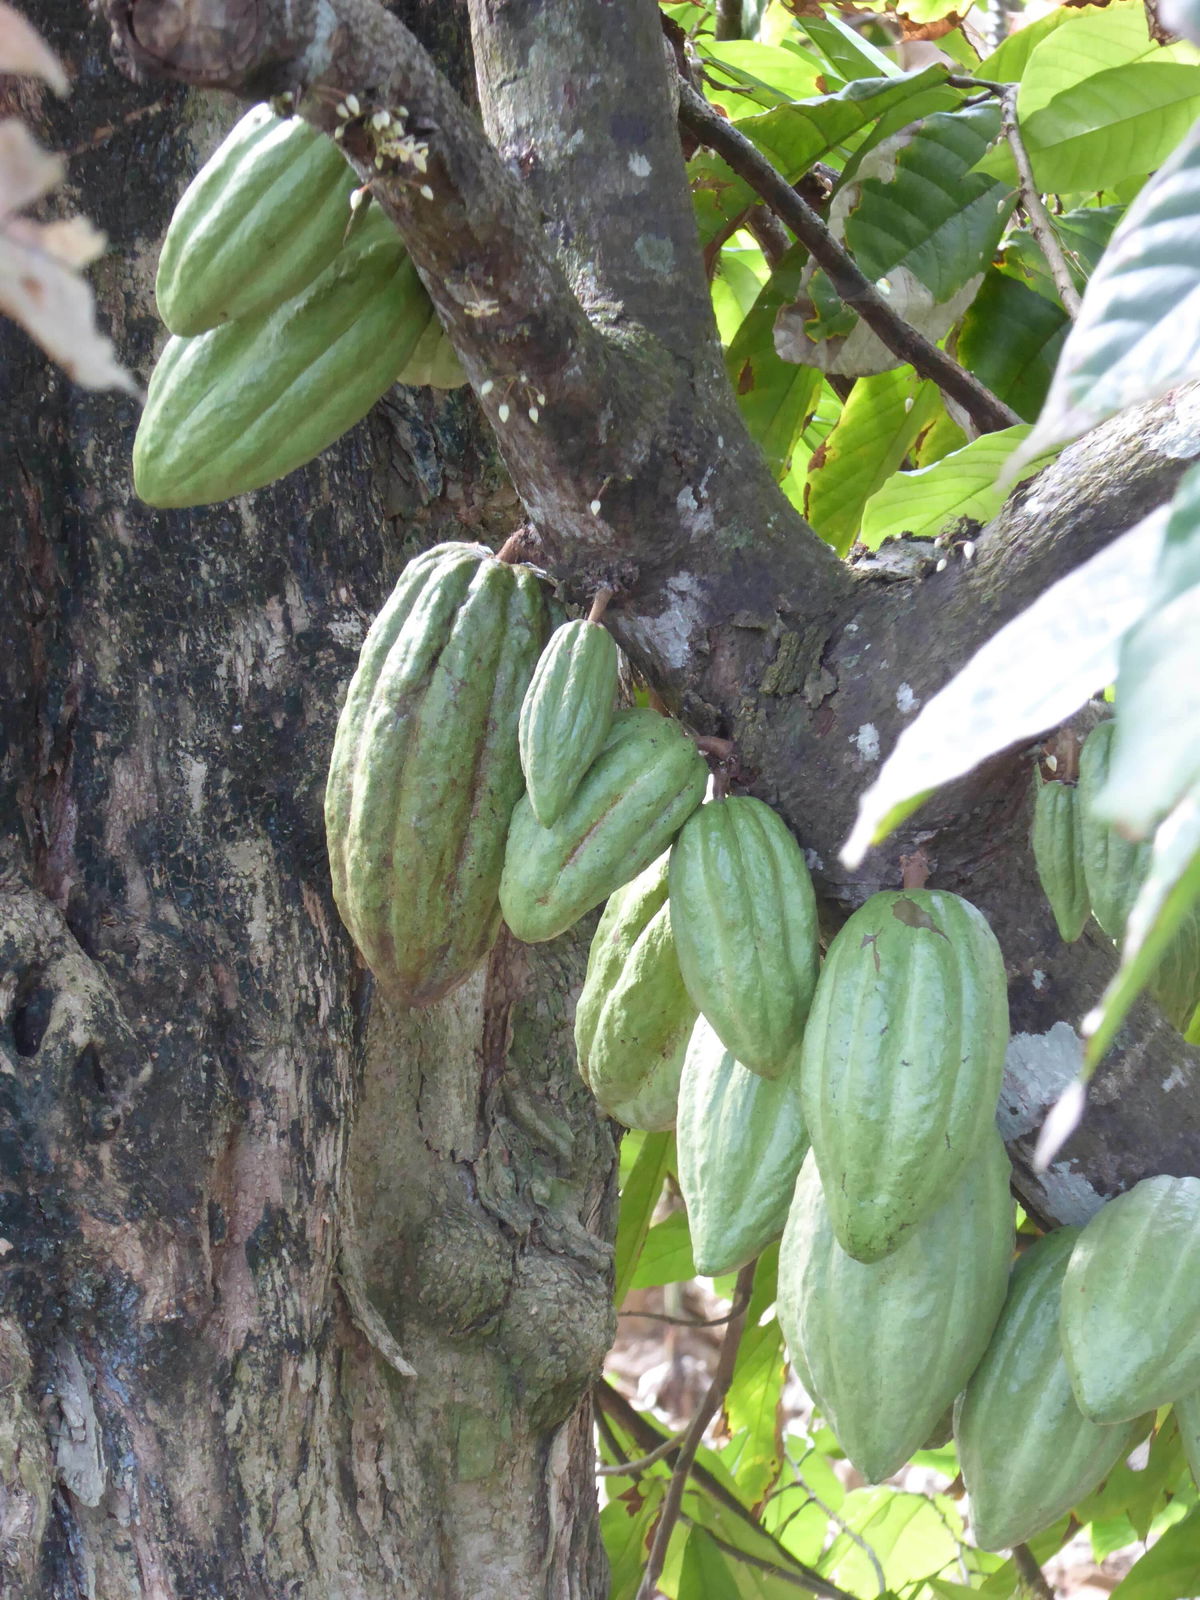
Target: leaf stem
x=1039, y=218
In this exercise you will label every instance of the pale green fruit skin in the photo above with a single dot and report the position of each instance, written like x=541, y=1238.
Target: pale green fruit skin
x=1058, y=853
x=424, y=774
x=266, y=213
x=1027, y=1452
x=624, y=918
x=1187, y=1415
x=567, y=712
x=1131, y=1302
x=740, y=1142
x=902, y=1061
x=246, y=403
x=647, y=780
x=888, y=1346
x=633, y=1052
x=745, y=919
x=1114, y=867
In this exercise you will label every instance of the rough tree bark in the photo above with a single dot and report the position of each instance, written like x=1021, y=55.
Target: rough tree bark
x=197, y=1099
x=197, y=1093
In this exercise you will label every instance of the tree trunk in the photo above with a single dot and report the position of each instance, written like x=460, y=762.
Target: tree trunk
x=205, y=1355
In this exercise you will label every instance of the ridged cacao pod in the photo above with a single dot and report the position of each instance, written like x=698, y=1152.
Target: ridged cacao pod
x=1058, y=853
x=740, y=1141
x=568, y=710
x=1027, y=1452
x=902, y=1060
x=425, y=772
x=265, y=214
x=1114, y=867
x=634, y=1018
x=745, y=920
x=1187, y=1415
x=647, y=780
x=889, y=1345
x=1131, y=1302
x=246, y=403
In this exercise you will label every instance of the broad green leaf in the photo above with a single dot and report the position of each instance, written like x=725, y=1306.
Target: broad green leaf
x=913, y=1537
x=1116, y=125
x=1008, y=63
x=734, y=288
x=752, y=1402
x=740, y=73
x=774, y=396
x=846, y=50
x=1156, y=748
x=1010, y=339
x=801, y=1524
x=1168, y=1570
x=1035, y=672
x=626, y=1525
x=1134, y=1496
x=705, y=1573
x=719, y=197
x=941, y=437
x=638, y=1200
x=943, y=1589
x=1168, y=895
x=962, y=484
x=1084, y=235
x=666, y=1254
x=878, y=424
x=1095, y=41
x=1138, y=332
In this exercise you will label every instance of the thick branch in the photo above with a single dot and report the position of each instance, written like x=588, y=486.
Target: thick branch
x=854, y=287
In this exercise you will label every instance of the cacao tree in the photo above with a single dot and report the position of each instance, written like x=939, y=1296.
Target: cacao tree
x=306, y=1290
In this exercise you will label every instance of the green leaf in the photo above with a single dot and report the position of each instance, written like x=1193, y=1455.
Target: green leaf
x=1010, y=339
x=1035, y=672
x=626, y=1524
x=666, y=1255
x=1156, y=748
x=846, y=50
x=741, y=73
x=1168, y=1570
x=1094, y=42
x=734, y=289
x=774, y=396
x=705, y=1572
x=1116, y=125
x=638, y=1200
x=1138, y=332
x=878, y=424
x=913, y=1537
x=962, y=484
x=752, y=1402
x=1008, y=63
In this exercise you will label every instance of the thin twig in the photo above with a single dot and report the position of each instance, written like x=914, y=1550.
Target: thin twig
x=627, y=1468
x=680, y=1322
x=851, y=283
x=613, y=1402
x=854, y=1537
x=1032, y=1577
x=705, y=1411
x=1039, y=219
x=769, y=234
x=786, y=1574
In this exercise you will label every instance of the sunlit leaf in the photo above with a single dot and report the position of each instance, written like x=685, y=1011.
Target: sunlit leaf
x=638, y=1200
x=752, y=1402
x=1035, y=672
x=912, y=1537
x=705, y=1573
x=845, y=48
x=626, y=1525
x=1094, y=41
x=740, y=73
x=962, y=484
x=666, y=1254
x=774, y=396
x=1168, y=1570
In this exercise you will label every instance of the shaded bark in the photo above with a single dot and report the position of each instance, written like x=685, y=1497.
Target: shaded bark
x=229, y=1188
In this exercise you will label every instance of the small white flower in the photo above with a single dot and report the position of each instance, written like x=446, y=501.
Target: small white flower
x=426, y=192
x=942, y=565
x=486, y=387
x=594, y=508
x=533, y=413
x=541, y=399
x=343, y=110
x=502, y=412
x=382, y=119
x=352, y=105
x=1051, y=762
x=908, y=403
x=968, y=549
x=359, y=197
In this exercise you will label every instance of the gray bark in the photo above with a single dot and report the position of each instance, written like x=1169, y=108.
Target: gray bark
x=238, y=1202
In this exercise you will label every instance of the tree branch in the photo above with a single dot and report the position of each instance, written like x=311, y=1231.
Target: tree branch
x=858, y=292
x=1039, y=219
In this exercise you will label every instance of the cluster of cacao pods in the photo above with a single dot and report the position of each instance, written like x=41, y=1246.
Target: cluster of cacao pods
x=291, y=312
x=481, y=770
x=1089, y=869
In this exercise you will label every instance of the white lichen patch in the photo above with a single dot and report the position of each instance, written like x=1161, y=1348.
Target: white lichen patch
x=668, y=636
x=1038, y=978
x=1174, y=1079
x=906, y=700
x=866, y=742
x=656, y=253
x=639, y=166
x=1037, y=1068
x=195, y=772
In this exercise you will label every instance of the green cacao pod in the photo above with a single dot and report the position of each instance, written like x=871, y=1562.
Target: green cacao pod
x=745, y=920
x=1027, y=1452
x=902, y=1061
x=1058, y=853
x=889, y=1345
x=1187, y=1415
x=634, y=1018
x=1131, y=1302
x=1114, y=867
x=246, y=403
x=425, y=773
x=647, y=780
x=740, y=1140
x=265, y=214
x=566, y=716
